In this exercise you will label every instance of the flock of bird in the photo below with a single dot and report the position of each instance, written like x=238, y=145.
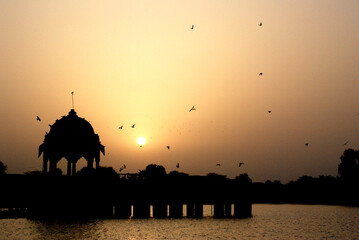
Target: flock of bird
x=260, y=24
x=168, y=146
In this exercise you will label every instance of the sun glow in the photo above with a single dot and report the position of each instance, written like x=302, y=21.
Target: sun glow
x=141, y=141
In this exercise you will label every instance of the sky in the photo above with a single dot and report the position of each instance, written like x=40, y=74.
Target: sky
x=139, y=62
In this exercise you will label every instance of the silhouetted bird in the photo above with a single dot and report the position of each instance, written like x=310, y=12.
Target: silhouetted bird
x=133, y=126
x=306, y=144
x=260, y=24
x=218, y=165
x=269, y=111
x=345, y=143
x=123, y=167
x=168, y=147
x=260, y=74
x=192, y=27
x=177, y=165
x=240, y=164
x=120, y=127
x=38, y=119
x=192, y=109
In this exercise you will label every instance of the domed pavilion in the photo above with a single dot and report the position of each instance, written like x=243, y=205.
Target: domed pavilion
x=70, y=137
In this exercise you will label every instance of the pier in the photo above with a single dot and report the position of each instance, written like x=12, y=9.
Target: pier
x=63, y=197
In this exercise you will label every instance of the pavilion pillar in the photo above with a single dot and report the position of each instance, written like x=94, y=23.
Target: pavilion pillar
x=68, y=168
x=73, y=168
x=52, y=166
x=90, y=163
x=44, y=164
x=97, y=159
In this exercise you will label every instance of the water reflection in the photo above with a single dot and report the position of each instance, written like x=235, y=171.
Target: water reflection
x=268, y=222
x=66, y=229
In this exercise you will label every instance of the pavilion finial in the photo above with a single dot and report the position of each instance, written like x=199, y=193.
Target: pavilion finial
x=73, y=106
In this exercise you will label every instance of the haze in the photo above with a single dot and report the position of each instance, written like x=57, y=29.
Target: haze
x=139, y=62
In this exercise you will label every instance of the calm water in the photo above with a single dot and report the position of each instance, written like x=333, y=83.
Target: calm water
x=268, y=222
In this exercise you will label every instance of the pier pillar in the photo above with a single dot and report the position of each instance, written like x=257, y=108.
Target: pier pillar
x=190, y=210
x=176, y=210
x=123, y=210
x=198, y=210
x=243, y=209
x=159, y=210
x=141, y=210
x=218, y=210
x=228, y=209
x=106, y=211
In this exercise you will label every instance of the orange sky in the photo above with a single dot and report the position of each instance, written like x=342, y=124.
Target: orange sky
x=139, y=62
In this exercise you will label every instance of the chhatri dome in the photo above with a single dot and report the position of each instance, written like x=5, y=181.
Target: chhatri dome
x=71, y=137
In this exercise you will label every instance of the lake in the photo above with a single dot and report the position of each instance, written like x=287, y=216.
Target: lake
x=268, y=222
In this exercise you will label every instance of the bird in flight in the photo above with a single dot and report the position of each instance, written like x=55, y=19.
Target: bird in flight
x=177, y=165
x=120, y=127
x=123, y=167
x=240, y=164
x=38, y=118
x=306, y=144
x=192, y=27
x=260, y=74
x=192, y=109
x=218, y=164
x=168, y=147
x=345, y=143
x=133, y=126
x=260, y=24
x=269, y=111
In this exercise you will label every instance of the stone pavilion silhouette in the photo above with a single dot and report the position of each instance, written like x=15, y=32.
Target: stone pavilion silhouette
x=70, y=137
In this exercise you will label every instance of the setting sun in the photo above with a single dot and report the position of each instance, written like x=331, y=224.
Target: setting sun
x=141, y=141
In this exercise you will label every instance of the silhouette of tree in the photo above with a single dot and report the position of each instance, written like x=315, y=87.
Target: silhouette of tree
x=106, y=172
x=216, y=176
x=153, y=171
x=348, y=169
x=244, y=178
x=176, y=174
x=3, y=168
x=33, y=173
x=85, y=171
x=56, y=172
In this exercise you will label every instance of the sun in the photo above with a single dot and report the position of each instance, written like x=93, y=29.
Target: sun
x=141, y=141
